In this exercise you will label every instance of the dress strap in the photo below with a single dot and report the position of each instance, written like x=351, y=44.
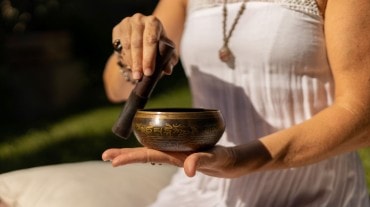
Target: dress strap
x=307, y=6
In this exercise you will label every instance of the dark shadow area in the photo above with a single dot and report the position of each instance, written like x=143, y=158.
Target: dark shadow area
x=52, y=55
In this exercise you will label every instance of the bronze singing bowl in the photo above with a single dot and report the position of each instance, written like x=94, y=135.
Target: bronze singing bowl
x=178, y=129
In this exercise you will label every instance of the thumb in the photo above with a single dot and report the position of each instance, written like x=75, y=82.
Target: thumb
x=194, y=162
x=190, y=165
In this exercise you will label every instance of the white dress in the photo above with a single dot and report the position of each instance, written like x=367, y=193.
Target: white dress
x=281, y=77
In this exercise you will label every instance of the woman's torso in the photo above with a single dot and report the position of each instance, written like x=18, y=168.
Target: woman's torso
x=281, y=72
x=281, y=78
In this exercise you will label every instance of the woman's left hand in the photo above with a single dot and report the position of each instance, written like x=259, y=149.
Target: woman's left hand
x=219, y=161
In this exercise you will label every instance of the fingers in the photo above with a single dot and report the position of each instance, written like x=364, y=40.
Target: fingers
x=122, y=32
x=191, y=165
x=196, y=162
x=126, y=156
x=217, y=162
x=152, y=35
x=137, y=31
x=142, y=155
x=110, y=154
x=173, y=61
x=139, y=37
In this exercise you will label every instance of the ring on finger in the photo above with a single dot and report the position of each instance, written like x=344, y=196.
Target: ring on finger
x=117, y=46
x=153, y=163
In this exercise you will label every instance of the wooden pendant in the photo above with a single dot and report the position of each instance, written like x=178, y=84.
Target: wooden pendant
x=227, y=56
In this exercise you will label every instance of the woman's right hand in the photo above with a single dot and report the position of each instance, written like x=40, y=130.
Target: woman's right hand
x=139, y=36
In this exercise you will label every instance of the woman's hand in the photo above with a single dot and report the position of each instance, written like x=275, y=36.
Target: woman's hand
x=139, y=36
x=214, y=162
x=219, y=161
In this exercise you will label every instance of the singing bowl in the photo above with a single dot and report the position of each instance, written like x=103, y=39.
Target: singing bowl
x=178, y=129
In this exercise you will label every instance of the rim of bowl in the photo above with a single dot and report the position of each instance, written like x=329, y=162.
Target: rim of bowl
x=177, y=110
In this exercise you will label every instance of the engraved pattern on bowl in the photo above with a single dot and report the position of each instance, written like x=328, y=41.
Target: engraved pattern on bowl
x=178, y=129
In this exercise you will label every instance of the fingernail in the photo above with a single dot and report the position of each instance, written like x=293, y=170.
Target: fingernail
x=148, y=71
x=106, y=160
x=136, y=75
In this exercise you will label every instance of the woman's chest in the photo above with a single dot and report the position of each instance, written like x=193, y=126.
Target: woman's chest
x=266, y=34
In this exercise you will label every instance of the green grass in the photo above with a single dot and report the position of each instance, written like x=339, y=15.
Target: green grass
x=85, y=136
x=365, y=157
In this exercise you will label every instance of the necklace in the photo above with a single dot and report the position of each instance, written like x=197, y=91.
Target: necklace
x=225, y=53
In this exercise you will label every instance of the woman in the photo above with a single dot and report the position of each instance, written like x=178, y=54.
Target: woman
x=270, y=67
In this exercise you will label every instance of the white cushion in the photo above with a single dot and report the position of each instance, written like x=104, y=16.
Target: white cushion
x=92, y=184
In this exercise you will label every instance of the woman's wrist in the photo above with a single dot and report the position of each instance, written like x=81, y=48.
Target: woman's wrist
x=251, y=157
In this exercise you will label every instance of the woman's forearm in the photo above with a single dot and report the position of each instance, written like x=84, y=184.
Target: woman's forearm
x=344, y=126
x=116, y=87
x=333, y=131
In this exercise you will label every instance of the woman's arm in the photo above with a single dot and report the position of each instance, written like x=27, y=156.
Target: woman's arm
x=344, y=126
x=340, y=128
x=139, y=36
x=116, y=87
x=172, y=14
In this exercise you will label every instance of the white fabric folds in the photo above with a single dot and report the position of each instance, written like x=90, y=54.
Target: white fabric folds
x=281, y=78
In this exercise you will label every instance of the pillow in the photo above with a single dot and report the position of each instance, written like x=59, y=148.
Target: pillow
x=92, y=184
